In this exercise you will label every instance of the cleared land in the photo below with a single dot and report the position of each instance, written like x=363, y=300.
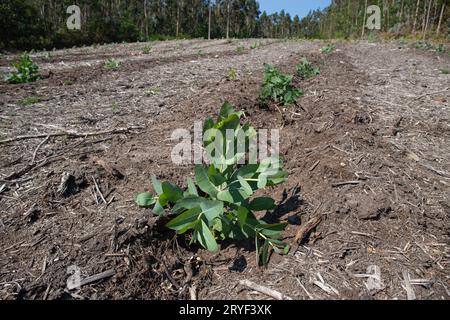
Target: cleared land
x=377, y=116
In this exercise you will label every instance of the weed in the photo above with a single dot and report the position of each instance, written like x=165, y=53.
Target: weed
x=152, y=91
x=439, y=48
x=112, y=64
x=328, y=48
x=403, y=41
x=277, y=87
x=256, y=45
x=47, y=56
x=306, y=70
x=240, y=49
x=147, y=49
x=30, y=100
x=25, y=71
x=232, y=74
x=115, y=107
x=445, y=71
x=218, y=205
x=423, y=45
x=372, y=37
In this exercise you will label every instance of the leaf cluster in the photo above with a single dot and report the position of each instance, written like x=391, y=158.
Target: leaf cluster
x=305, y=69
x=25, y=70
x=277, y=87
x=218, y=203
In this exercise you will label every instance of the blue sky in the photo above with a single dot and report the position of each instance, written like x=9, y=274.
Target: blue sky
x=300, y=7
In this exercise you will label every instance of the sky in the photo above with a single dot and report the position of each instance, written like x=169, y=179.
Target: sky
x=293, y=7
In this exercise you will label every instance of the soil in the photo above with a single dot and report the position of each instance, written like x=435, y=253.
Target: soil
x=367, y=148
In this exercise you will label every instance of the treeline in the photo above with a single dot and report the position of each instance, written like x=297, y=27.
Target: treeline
x=346, y=18
x=36, y=24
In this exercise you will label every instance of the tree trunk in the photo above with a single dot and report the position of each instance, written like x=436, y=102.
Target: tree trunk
x=178, y=19
x=364, y=19
x=430, y=3
x=228, y=19
x=145, y=20
x=209, y=20
x=416, y=16
x=440, y=18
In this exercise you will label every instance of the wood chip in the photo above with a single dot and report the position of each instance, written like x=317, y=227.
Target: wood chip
x=267, y=291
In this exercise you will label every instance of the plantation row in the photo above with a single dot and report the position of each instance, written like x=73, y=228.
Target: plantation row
x=218, y=205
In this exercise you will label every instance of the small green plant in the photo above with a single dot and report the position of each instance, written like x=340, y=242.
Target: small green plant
x=30, y=101
x=47, y=56
x=147, y=49
x=277, y=87
x=67, y=82
x=445, y=71
x=200, y=53
x=403, y=41
x=152, y=91
x=240, y=49
x=256, y=45
x=372, y=37
x=112, y=64
x=25, y=71
x=423, y=45
x=218, y=205
x=115, y=107
x=232, y=74
x=328, y=48
x=439, y=47
x=305, y=69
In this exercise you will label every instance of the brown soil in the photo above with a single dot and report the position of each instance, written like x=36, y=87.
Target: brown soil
x=377, y=116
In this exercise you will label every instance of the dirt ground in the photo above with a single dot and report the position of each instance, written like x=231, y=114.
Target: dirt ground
x=367, y=148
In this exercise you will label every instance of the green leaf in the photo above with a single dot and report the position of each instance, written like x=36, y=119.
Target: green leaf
x=192, y=189
x=261, y=204
x=226, y=110
x=271, y=230
x=211, y=209
x=245, y=186
x=202, y=179
x=242, y=214
x=205, y=237
x=209, y=124
x=184, y=221
x=156, y=185
x=172, y=192
x=187, y=204
x=145, y=200
x=265, y=253
x=277, y=178
x=215, y=177
x=158, y=209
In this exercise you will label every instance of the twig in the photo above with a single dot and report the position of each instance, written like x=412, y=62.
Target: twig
x=408, y=287
x=70, y=134
x=267, y=291
x=193, y=292
x=98, y=190
x=314, y=165
x=304, y=289
x=38, y=147
x=97, y=277
x=306, y=229
x=344, y=183
x=427, y=94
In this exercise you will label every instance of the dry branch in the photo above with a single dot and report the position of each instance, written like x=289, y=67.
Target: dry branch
x=70, y=134
x=267, y=291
